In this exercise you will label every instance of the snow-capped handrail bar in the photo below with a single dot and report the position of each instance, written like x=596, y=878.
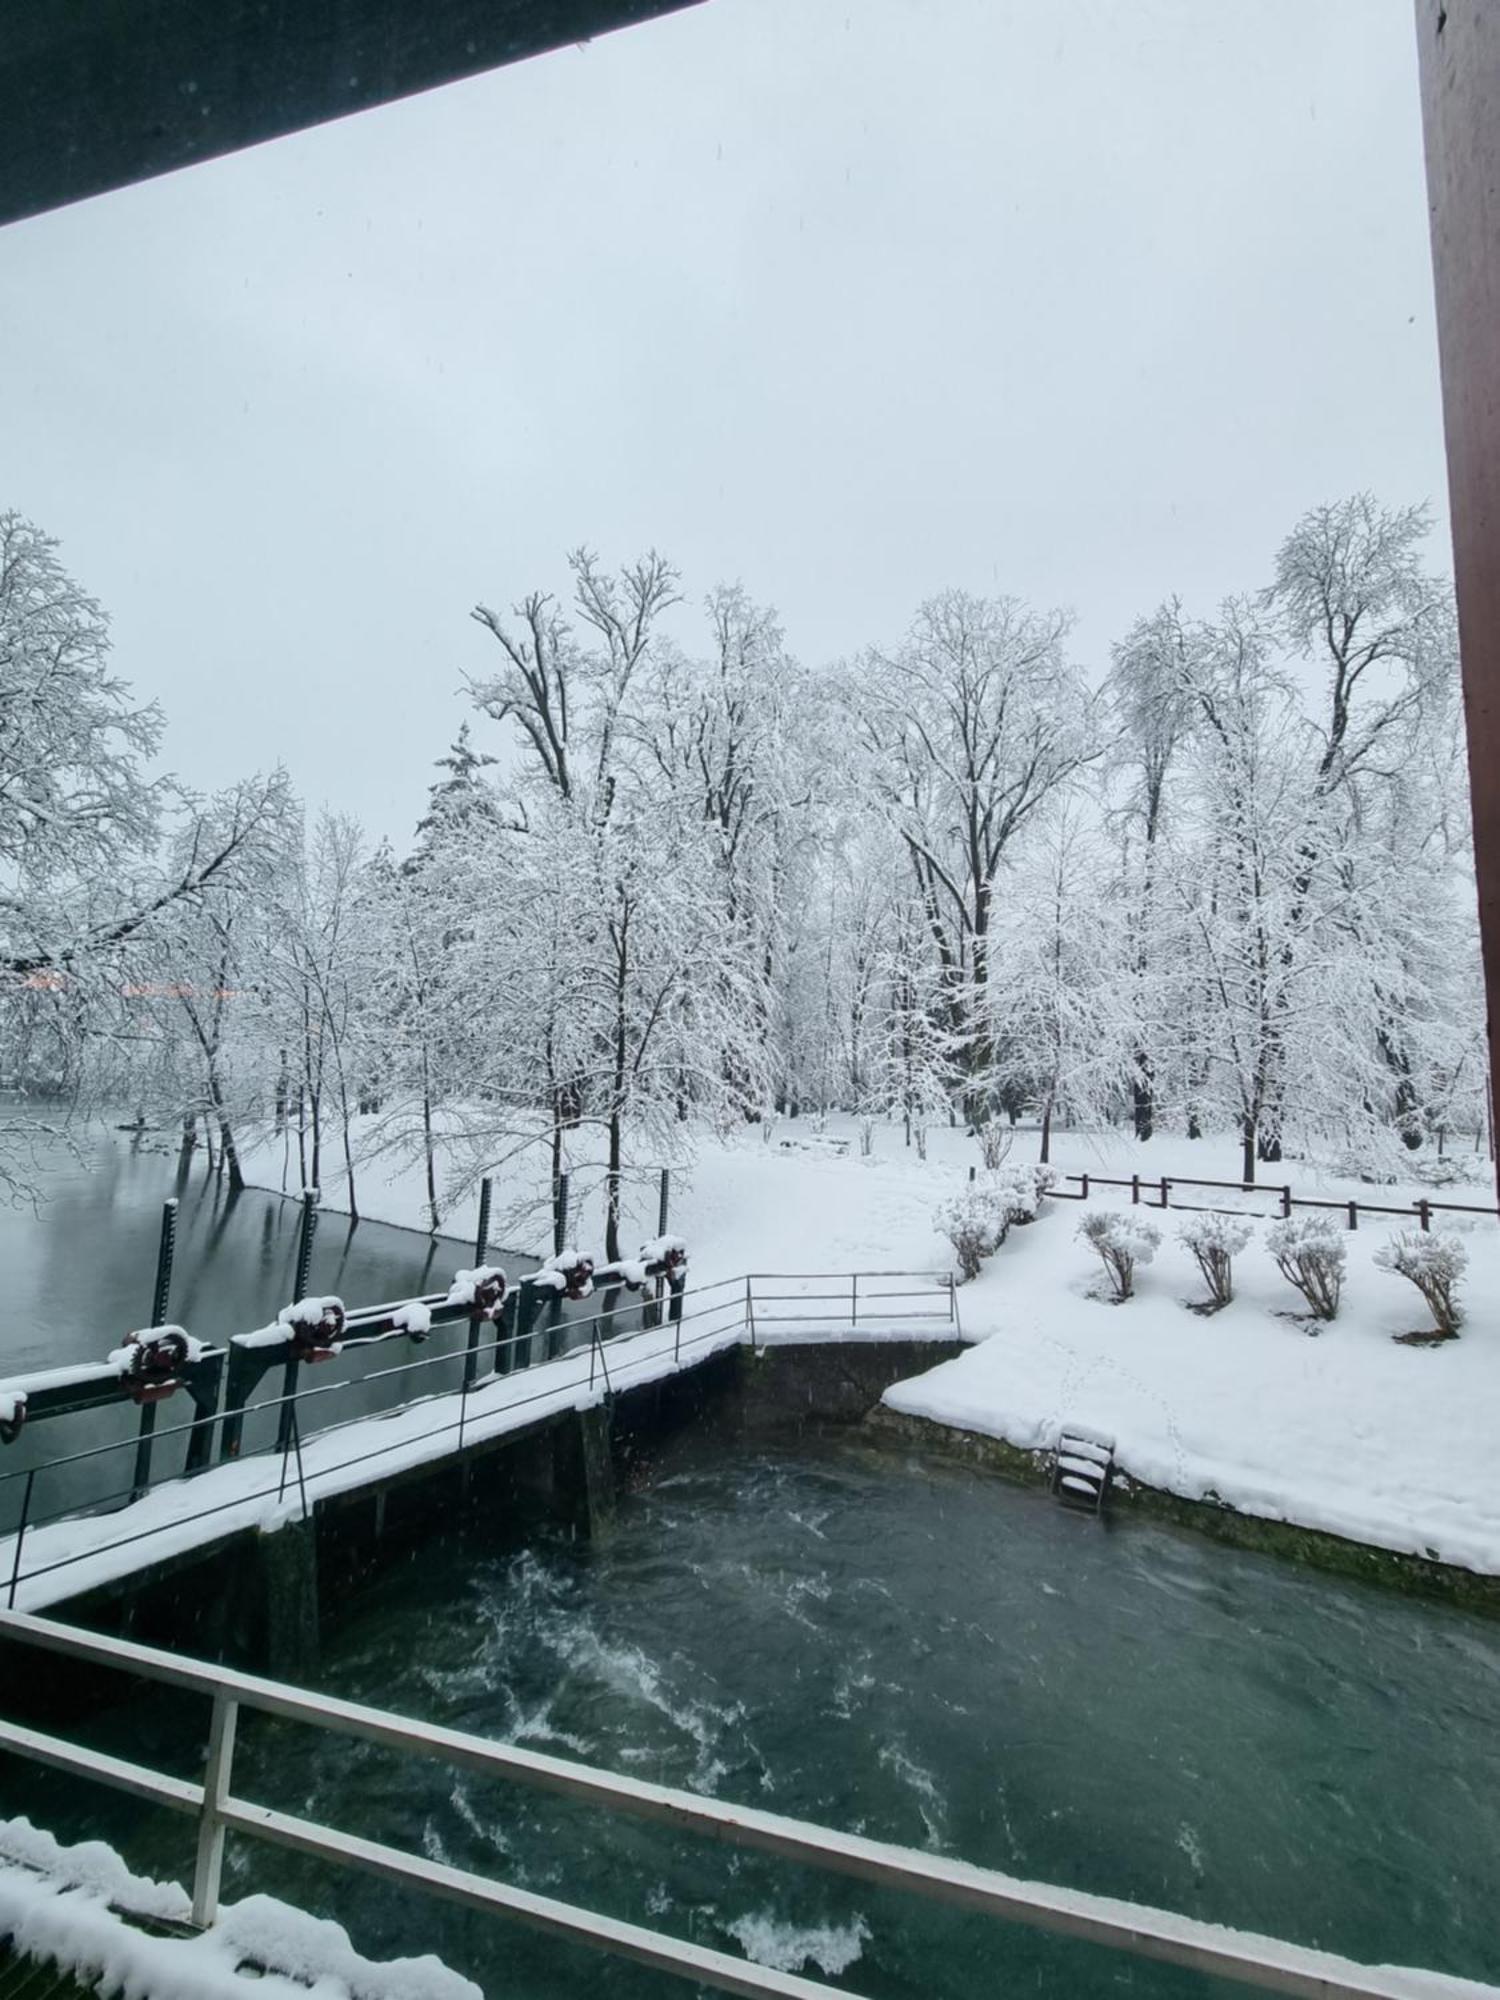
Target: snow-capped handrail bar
x=1251, y=1958
x=547, y=1393
x=302, y=1395
x=733, y=1314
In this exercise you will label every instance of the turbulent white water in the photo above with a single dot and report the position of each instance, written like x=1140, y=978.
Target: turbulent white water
x=923, y=1655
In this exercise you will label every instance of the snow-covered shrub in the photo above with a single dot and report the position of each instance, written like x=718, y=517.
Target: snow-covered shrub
x=995, y=1141
x=1215, y=1241
x=1434, y=1261
x=1309, y=1253
x=1445, y=1170
x=1045, y=1178
x=1014, y=1192
x=1122, y=1241
x=974, y=1226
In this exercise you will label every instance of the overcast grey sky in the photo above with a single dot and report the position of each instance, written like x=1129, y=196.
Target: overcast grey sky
x=847, y=299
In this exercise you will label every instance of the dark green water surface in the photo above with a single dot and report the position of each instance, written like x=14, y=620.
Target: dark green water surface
x=79, y=1272
x=888, y=1644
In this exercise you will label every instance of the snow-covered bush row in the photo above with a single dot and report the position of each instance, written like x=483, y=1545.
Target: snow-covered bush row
x=1309, y=1253
x=1122, y=1239
x=1435, y=1261
x=1215, y=1241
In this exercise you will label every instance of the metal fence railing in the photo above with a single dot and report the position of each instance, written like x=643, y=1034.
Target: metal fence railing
x=1157, y=1191
x=849, y=1298
x=1163, y=1936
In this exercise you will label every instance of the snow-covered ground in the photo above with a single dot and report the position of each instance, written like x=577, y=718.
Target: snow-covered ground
x=72, y=1905
x=1343, y=1430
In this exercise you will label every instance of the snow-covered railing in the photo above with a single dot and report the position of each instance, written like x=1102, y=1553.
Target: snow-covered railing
x=1156, y=1191
x=1162, y=1936
x=777, y=1300
x=499, y=1352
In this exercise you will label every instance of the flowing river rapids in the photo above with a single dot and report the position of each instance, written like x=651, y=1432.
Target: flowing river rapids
x=881, y=1642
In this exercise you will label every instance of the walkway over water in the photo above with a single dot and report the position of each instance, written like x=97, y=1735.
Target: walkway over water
x=536, y=1364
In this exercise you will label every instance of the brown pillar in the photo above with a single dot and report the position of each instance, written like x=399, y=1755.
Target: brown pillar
x=1459, y=51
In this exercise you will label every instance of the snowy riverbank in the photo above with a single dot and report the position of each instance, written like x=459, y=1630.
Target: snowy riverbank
x=1344, y=1431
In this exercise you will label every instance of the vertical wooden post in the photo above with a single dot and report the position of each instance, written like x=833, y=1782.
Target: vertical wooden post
x=560, y=1215
x=661, y=1206
x=1458, y=49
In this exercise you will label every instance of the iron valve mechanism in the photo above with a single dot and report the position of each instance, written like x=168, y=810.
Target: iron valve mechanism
x=313, y=1326
x=569, y=1272
x=665, y=1257
x=151, y=1361
x=482, y=1290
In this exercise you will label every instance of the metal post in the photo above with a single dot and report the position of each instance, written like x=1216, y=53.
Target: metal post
x=1135, y=1190
x=505, y=1333
x=1084, y=1180
x=209, y=1866
x=164, y=1254
x=141, y=1481
x=560, y=1215
x=1165, y=1197
x=554, y=1346
x=1424, y=1212
x=482, y=1233
x=675, y=1289
x=286, y=1415
x=1286, y=1201
x=661, y=1206
x=305, y=1243
x=750, y=1312
x=477, y=1323
x=1354, y=1215
x=854, y=1298
x=15, y=1568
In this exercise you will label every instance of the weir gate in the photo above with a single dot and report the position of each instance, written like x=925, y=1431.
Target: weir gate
x=333, y=1401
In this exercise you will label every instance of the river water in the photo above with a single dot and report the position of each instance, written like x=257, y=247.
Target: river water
x=79, y=1274
x=882, y=1642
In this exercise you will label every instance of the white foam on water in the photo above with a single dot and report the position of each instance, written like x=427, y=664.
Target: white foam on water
x=828, y=1948
x=930, y=1802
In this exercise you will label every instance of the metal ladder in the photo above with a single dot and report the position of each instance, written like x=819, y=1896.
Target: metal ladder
x=1083, y=1465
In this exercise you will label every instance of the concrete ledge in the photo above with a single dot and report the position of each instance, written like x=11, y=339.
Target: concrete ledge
x=1416, y=1575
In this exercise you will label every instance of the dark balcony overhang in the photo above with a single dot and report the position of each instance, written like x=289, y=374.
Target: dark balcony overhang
x=95, y=94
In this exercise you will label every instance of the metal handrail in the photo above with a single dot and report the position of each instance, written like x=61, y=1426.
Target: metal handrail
x=742, y=1306
x=1255, y=1960
x=542, y=1394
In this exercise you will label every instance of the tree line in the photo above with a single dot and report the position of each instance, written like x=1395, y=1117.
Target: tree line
x=671, y=877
